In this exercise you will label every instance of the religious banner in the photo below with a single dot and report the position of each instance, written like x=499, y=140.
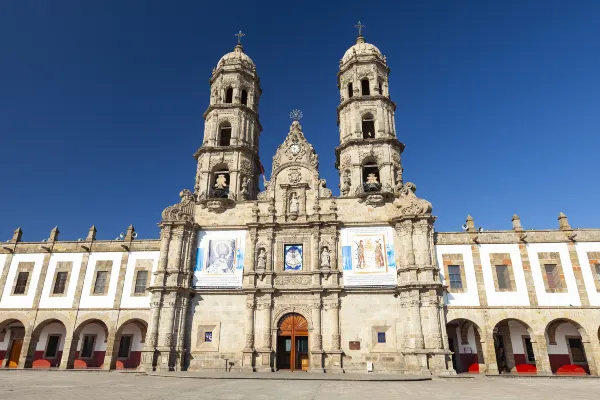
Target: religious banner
x=292, y=257
x=219, y=259
x=368, y=257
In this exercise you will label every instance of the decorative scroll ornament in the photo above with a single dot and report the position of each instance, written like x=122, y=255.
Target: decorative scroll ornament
x=182, y=212
x=409, y=203
x=294, y=175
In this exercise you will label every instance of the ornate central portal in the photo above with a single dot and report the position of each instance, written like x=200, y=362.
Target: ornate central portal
x=292, y=343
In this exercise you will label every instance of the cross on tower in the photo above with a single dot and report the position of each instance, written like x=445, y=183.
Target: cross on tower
x=359, y=26
x=240, y=35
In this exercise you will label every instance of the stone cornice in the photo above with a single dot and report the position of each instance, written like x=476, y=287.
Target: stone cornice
x=232, y=106
x=360, y=99
x=365, y=142
x=224, y=149
x=346, y=66
x=80, y=246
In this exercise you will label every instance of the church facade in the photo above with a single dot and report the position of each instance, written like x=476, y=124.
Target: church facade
x=293, y=278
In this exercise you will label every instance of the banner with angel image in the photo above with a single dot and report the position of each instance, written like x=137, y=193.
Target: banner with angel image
x=219, y=259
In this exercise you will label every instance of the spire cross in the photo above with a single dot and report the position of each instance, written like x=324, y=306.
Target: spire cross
x=359, y=26
x=240, y=35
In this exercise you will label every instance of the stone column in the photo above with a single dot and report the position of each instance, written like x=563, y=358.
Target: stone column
x=542, y=360
x=248, y=353
x=263, y=360
x=251, y=251
x=335, y=354
x=26, y=357
x=69, y=349
x=111, y=340
x=316, y=360
x=487, y=343
x=156, y=300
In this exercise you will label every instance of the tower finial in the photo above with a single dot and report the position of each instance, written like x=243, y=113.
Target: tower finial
x=296, y=115
x=240, y=35
x=359, y=26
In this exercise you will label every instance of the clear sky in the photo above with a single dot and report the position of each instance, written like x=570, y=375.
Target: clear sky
x=101, y=103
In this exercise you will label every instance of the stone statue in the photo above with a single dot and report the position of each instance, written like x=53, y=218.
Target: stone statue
x=346, y=184
x=262, y=259
x=325, y=258
x=294, y=203
x=221, y=182
x=244, y=188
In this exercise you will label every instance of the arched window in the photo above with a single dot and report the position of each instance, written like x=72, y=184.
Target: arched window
x=244, y=97
x=370, y=176
x=380, y=86
x=350, y=90
x=229, y=95
x=225, y=134
x=220, y=182
x=368, y=126
x=366, y=89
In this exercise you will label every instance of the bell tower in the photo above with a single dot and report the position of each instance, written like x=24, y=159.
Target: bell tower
x=228, y=163
x=368, y=157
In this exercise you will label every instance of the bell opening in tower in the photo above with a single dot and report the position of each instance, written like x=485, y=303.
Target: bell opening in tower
x=368, y=126
x=229, y=95
x=350, y=90
x=366, y=89
x=244, y=98
x=225, y=134
x=370, y=175
x=220, y=186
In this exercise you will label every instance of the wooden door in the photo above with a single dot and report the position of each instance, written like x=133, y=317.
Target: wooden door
x=292, y=326
x=15, y=353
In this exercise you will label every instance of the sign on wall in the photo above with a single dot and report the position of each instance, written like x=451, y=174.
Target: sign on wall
x=368, y=257
x=219, y=259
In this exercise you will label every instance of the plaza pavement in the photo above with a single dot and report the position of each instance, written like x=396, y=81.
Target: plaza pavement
x=71, y=385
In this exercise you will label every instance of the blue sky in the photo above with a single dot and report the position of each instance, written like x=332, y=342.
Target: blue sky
x=101, y=103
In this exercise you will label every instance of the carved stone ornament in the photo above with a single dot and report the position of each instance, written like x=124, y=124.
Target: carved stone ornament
x=294, y=175
x=267, y=340
x=375, y=200
x=245, y=166
x=182, y=212
x=168, y=339
x=335, y=342
x=249, y=341
x=300, y=280
x=317, y=342
x=409, y=203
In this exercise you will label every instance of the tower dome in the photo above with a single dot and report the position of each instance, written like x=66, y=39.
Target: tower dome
x=362, y=51
x=237, y=56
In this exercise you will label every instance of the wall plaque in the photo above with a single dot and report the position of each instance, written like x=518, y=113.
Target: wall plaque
x=354, y=345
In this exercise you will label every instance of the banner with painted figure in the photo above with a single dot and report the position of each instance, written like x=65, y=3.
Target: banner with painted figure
x=368, y=257
x=219, y=259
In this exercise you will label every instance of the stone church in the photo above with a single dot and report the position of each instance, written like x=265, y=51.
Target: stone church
x=293, y=278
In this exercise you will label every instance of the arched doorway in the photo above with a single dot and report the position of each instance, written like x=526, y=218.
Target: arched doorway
x=566, y=341
x=292, y=342
x=12, y=332
x=514, y=343
x=464, y=341
x=129, y=342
